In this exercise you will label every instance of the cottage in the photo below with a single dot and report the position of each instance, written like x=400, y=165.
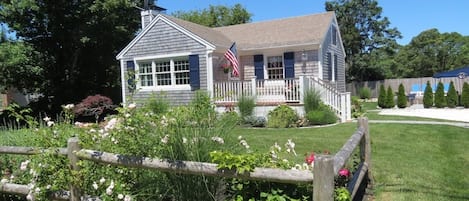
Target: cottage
x=277, y=60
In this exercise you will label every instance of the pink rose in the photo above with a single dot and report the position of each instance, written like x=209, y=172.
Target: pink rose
x=310, y=159
x=344, y=172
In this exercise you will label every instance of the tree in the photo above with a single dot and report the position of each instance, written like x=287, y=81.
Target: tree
x=216, y=16
x=78, y=41
x=465, y=95
x=382, y=97
x=452, y=96
x=364, y=31
x=390, y=98
x=401, y=97
x=428, y=96
x=440, y=100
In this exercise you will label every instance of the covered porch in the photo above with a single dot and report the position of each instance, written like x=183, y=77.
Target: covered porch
x=282, y=91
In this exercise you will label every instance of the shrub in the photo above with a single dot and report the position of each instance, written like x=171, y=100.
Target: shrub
x=158, y=104
x=96, y=106
x=440, y=100
x=282, y=116
x=312, y=100
x=322, y=116
x=382, y=97
x=246, y=105
x=465, y=95
x=255, y=121
x=390, y=98
x=428, y=96
x=401, y=98
x=357, y=107
x=452, y=96
x=365, y=93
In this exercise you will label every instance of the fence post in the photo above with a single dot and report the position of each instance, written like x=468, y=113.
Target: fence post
x=323, y=184
x=72, y=148
x=365, y=147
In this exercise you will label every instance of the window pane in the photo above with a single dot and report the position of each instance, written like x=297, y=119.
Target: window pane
x=163, y=79
x=163, y=66
x=146, y=80
x=145, y=74
x=182, y=78
x=275, y=67
x=181, y=65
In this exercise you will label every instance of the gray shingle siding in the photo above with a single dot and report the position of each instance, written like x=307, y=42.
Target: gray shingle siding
x=161, y=40
x=311, y=65
x=335, y=50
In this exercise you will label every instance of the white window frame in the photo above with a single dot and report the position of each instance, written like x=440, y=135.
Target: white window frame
x=266, y=69
x=153, y=60
x=332, y=64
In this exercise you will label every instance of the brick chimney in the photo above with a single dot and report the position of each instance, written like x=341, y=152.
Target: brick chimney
x=149, y=12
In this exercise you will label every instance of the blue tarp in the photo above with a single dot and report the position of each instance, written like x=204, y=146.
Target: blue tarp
x=454, y=73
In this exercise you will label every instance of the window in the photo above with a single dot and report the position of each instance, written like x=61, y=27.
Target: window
x=167, y=72
x=334, y=35
x=334, y=70
x=275, y=67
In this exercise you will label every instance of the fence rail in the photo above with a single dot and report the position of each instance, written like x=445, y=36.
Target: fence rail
x=326, y=167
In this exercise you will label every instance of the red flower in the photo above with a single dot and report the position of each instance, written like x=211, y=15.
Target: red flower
x=344, y=172
x=310, y=159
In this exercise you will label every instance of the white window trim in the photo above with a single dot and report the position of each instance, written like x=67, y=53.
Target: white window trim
x=171, y=57
x=332, y=67
x=266, y=63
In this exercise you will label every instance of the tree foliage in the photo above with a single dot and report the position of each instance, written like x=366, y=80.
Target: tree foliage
x=452, y=96
x=216, y=16
x=428, y=96
x=465, y=95
x=440, y=99
x=364, y=31
x=382, y=96
x=401, y=97
x=390, y=98
x=77, y=40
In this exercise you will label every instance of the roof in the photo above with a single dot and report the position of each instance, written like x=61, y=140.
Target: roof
x=308, y=29
x=209, y=34
x=463, y=72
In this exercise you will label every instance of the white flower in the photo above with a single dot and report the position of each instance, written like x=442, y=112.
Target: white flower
x=24, y=165
x=4, y=181
x=165, y=139
x=50, y=123
x=111, y=124
x=127, y=198
x=95, y=186
x=184, y=140
x=30, y=196
x=120, y=196
x=37, y=190
x=69, y=106
x=240, y=137
x=290, y=145
x=127, y=115
x=46, y=119
x=276, y=146
x=244, y=143
x=219, y=140
x=102, y=180
x=48, y=186
x=110, y=188
x=92, y=130
x=132, y=106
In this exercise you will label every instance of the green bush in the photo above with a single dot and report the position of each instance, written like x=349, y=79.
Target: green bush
x=322, y=116
x=365, y=93
x=282, y=116
x=465, y=95
x=312, y=100
x=357, y=107
x=428, y=96
x=401, y=97
x=255, y=121
x=390, y=98
x=452, y=96
x=440, y=99
x=158, y=104
x=246, y=105
x=382, y=97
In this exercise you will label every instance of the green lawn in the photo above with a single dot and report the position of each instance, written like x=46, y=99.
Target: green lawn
x=410, y=162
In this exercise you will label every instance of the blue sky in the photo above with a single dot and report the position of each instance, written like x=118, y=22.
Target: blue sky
x=411, y=17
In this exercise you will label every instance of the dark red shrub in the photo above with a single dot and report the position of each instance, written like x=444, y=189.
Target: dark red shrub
x=94, y=106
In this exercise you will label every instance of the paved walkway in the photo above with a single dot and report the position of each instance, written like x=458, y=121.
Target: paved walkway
x=458, y=124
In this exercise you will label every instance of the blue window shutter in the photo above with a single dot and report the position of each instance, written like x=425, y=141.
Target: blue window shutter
x=194, y=74
x=289, y=62
x=259, y=66
x=329, y=66
x=131, y=76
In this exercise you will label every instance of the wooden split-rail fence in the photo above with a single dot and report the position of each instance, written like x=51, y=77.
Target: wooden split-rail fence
x=326, y=167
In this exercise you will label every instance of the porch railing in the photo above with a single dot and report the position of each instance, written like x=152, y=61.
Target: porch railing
x=283, y=91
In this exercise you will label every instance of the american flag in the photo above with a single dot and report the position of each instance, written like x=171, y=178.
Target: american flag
x=232, y=56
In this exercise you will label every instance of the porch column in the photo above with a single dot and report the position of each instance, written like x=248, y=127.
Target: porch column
x=253, y=86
